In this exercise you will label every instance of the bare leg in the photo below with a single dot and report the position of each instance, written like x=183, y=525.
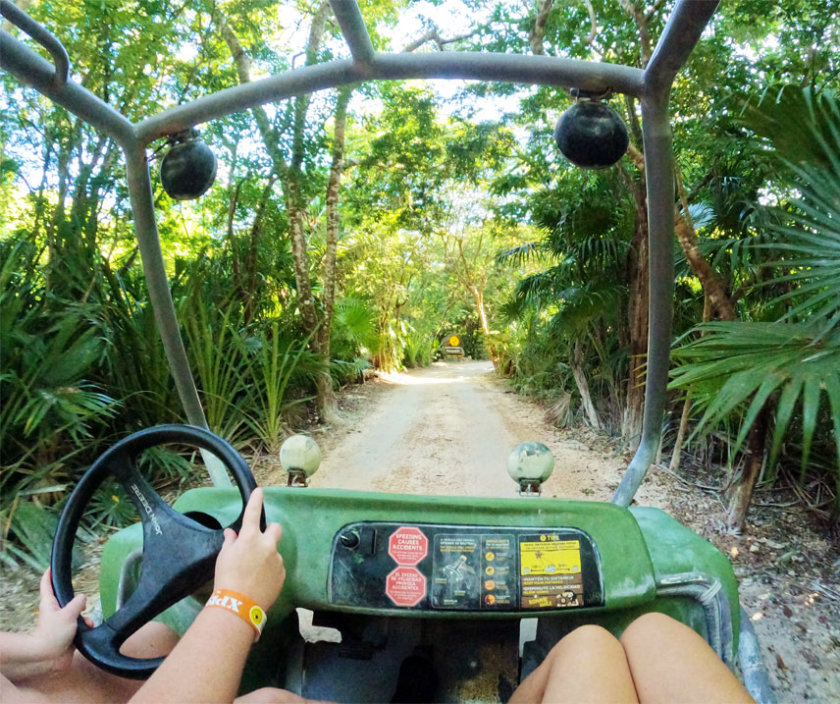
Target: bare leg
x=272, y=695
x=588, y=665
x=87, y=684
x=671, y=663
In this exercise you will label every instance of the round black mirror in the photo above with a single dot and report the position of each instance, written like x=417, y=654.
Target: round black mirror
x=189, y=167
x=591, y=135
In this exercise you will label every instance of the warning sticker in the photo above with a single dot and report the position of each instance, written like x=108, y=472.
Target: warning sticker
x=408, y=545
x=456, y=571
x=405, y=586
x=474, y=571
x=547, y=556
x=550, y=572
x=498, y=553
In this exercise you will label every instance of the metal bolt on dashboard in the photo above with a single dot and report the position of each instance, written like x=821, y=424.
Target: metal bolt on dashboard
x=350, y=539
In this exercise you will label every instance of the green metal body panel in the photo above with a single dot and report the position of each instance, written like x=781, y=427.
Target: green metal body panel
x=639, y=547
x=675, y=549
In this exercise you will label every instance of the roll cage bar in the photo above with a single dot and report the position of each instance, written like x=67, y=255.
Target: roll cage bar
x=650, y=86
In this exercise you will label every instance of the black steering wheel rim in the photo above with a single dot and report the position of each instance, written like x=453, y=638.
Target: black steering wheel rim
x=178, y=553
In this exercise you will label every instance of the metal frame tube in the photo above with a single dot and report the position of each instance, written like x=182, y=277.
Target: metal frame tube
x=43, y=37
x=756, y=679
x=678, y=39
x=660, y=189
x=143, y=210
x=31, y=69
x=354, y=30
x=651, y=86
x=543, y=70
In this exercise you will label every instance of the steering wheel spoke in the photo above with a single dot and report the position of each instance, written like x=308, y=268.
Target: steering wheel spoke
x=178, y=553
x=169, y=573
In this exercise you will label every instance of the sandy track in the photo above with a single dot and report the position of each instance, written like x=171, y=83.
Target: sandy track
x=448, y=429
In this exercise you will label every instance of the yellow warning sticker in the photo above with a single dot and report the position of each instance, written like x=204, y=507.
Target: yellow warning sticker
x=551, y=576
x=550, y=557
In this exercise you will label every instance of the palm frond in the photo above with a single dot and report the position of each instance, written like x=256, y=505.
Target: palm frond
x=739, y=365
x=523, y=253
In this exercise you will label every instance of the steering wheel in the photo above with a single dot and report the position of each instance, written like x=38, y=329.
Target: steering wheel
x=179, y=553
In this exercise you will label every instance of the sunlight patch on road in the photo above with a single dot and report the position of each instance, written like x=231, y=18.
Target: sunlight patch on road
x=406, y=380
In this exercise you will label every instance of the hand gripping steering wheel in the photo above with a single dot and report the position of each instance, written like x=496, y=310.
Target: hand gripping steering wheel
x=179, y=554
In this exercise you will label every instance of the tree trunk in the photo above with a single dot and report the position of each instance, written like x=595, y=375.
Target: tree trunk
x=478, y=296
x=538, y=30
x=295, y=205
x=238, y=285
x=678, y=443
x=638, y=320
x=327, y=407
x=291, y=174
x=475, y=285
x=713, y=286
x=686, y=412
x=583, y=386
x=742, y=491
x=251, y=259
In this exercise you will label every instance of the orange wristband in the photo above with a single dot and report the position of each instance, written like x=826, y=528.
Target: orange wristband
x=247, y=609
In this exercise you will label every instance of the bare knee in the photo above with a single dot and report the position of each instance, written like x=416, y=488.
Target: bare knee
x=270, y=695
x=590, y=633
x=584, y=638
x=649, y=627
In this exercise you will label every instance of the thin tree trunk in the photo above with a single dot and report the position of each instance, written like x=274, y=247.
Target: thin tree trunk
x=327, y=406
x=477, y=291
x=638, y=320
x=478, y=295
x=238, y=285
x=538, y=30
x=251, y=259
x=583, y=387
x=678, y=443
x=742, y=491
x=642, y=20
x=294, y=180
x=686, y=412
x=713, y=286
x=291, y=174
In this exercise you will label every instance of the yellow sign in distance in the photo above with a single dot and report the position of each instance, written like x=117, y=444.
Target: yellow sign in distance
x=454, y=341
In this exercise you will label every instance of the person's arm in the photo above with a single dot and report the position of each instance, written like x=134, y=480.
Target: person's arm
x=207, y=663
x=48, y=650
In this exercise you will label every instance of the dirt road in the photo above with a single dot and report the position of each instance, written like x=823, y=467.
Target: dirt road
x=448, y=429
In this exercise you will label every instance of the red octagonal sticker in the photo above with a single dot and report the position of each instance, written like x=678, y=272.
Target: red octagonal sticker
x=406, y=586
x=408, y=545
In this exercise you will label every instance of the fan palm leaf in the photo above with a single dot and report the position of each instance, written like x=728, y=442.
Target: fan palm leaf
x=740, y=365
x=735, y=368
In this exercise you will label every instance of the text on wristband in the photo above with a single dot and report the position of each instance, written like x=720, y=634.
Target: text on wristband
x=227, y=602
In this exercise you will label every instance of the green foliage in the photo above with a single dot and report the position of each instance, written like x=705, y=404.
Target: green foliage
x=34, y=526
x=808, y=239
x=51, y=349
x=581, y=294
x=216, y=348
x=736, y=368
x=353, y=329
x=275, y=360
x=740, y=365
x=419, y=346
x=111, y=506
x=430, y=197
